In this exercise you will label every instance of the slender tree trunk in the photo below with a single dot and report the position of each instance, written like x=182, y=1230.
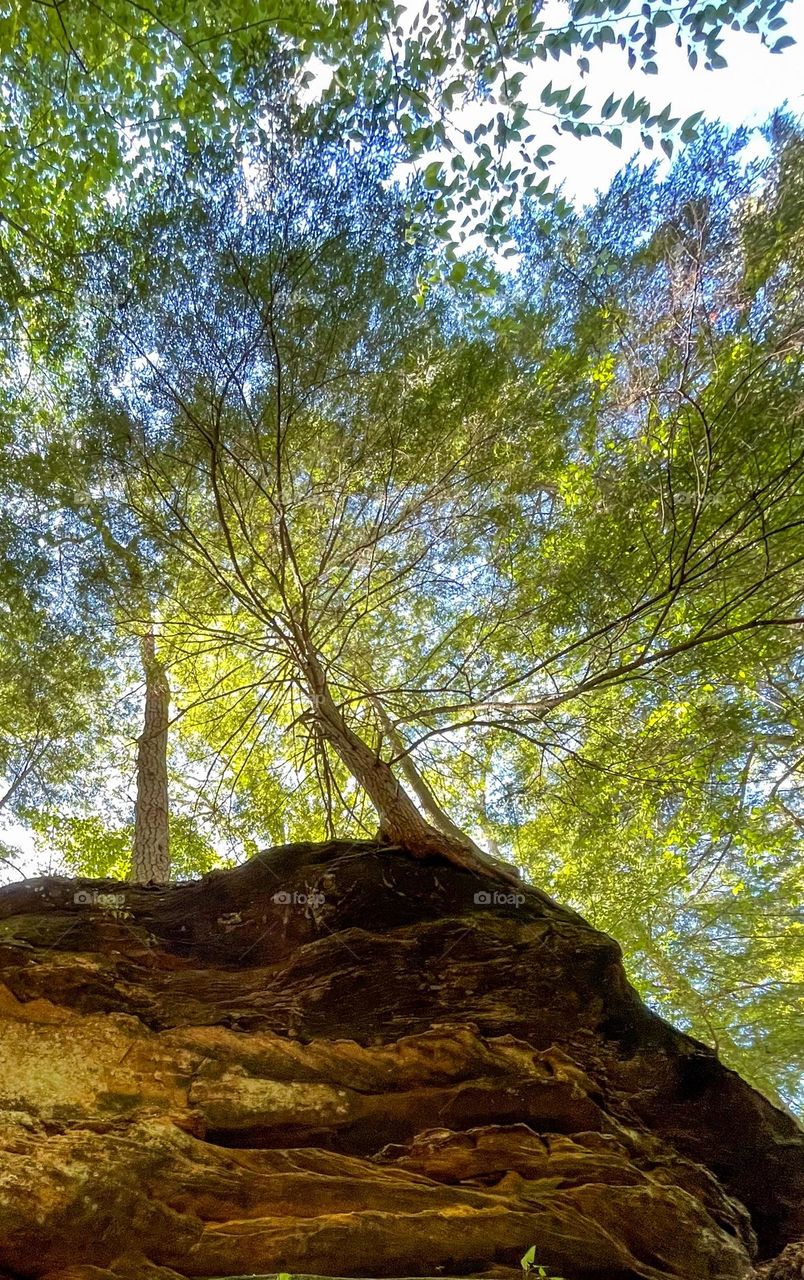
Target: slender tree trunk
x=151, y=860
x=400, y=820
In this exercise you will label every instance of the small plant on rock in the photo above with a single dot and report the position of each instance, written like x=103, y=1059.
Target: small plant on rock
x=531, y=1268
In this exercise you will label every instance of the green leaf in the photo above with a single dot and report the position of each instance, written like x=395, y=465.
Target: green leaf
x=432, y=175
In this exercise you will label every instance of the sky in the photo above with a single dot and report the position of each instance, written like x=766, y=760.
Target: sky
x=745, y=92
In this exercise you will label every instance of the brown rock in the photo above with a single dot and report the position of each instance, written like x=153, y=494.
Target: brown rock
x=789, y=1265
x=337, y=1060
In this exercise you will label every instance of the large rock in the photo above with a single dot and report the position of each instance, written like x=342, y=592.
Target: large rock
x=337, y=1060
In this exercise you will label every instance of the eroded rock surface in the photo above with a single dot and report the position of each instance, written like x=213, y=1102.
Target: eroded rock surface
x=338, y=1061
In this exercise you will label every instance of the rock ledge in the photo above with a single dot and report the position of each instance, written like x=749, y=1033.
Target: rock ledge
x=336, y=1060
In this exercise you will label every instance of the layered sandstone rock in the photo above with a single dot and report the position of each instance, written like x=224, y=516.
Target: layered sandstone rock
x=338, y=1061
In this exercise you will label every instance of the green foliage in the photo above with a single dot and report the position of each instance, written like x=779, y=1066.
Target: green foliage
x=87, y=846
x=96, y=95
x=52, y=624
x=530, y=1267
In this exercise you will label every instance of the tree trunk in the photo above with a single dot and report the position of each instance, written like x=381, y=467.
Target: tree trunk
x=418, y=785
x=401, y=822
x=151, y=859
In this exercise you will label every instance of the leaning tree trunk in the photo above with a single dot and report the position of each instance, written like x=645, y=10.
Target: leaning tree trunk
x=401, y=822
x=417, y=783
x=151, y=859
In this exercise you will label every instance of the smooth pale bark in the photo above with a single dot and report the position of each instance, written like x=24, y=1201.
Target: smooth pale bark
x=401, y=822
x=151, y=858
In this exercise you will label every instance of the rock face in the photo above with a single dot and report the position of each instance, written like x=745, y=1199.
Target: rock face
x=338, y=1060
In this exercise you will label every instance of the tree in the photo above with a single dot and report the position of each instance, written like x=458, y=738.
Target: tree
x=254, y=359
x=689, y=792
x=73, y=585
x=55, y=643
x=521, y=565
x=561, y=618
x=151, y=856
x=97, y=94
